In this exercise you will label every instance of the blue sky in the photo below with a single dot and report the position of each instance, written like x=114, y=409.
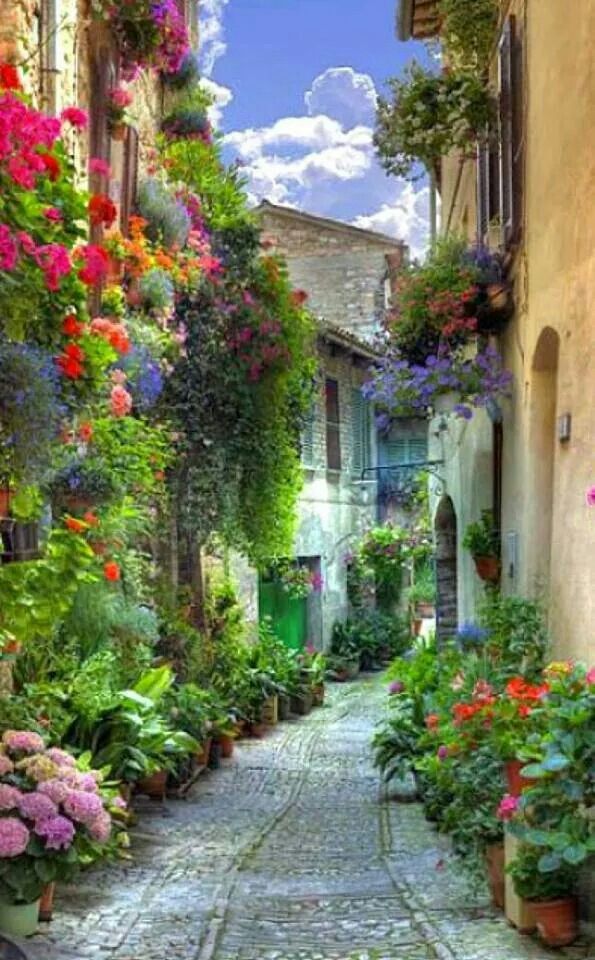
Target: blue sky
x=296, y=83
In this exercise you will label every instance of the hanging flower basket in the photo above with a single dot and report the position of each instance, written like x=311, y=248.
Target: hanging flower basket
x=488, y=568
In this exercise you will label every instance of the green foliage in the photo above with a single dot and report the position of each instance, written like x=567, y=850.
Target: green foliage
x=428, y=116
x=532, y=883
x=517, y=633
x=370, y=636
x=468, y=32
x=423, y=590
x=482, y=538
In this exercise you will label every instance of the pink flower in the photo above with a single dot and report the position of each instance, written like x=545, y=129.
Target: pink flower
x=100, y=829
x=53, y=214
x=23, y=741
x=442, y=752
x=58, y=832
x=397, y=686
x=120, y=401
x=119, y=803
x=316, y=581
x=54, y=260
x=87, y=782
x=8, y=249
x=118, y=376
x=95, y=264
x=120, y=97
x=99, y=166
x=591, y=496
x=55, y=790
x=14, y=837
x=9, y=797
x=508, y=807
x=590, y=678
x=6, y=764
x=75, y=117
x=61, y=757
x=82, y=806
x=37, y=806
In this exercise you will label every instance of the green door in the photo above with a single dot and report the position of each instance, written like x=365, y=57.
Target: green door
x=289, y=615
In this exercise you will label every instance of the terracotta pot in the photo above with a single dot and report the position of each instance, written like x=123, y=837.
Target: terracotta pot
x=76, y=504
x=416, y=626
x=46, y=904
x=227, y=744
x=496, y=877
x=318, y=694
x=301, y=705
x=118, y=131
x=154, y=785
x=99, y=548
x=4, y=501
x=270, y=711
x=202, y=756
x=557, y=921
x=258, y=730
x=488, y=568
x=425, y=610
x=516, y=783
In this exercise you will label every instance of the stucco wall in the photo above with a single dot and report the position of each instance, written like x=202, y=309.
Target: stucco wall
x=343, y=269
x=554, y=280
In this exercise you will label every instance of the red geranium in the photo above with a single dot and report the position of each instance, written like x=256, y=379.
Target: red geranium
x=9, y=78
x=102, y=210
x=51, y=164
x=71, y=326
x=111, y=571
x=76, y=526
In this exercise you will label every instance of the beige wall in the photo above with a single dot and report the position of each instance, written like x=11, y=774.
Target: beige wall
x=544, y=481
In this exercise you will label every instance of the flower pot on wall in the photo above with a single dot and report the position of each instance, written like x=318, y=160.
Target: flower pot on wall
x=118, y=131
x=19, y=920
x=516, y=783
x=496, y=878
x=46, y=904
x=488, y=568
x=557, y=921
x=154, y=785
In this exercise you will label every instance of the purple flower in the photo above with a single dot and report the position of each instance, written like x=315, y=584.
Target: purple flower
x=397, y=686
x=55, y=790
x=442, y=752
x=14, y=837
x=82, y=806
x=61, y=757
x=37, y=806
x=23, y=741
x=100, y=829
x=58, y=832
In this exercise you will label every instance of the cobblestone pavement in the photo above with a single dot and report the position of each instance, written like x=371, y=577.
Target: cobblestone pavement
x=287, y=853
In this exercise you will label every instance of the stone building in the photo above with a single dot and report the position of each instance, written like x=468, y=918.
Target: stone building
x=531, y=194
x=347, y=274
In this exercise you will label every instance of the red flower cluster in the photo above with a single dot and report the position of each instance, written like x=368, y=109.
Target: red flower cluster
x=519, y=689
x=102, y=210
x=95, y=264
x=114, y=333
x=71, y=361
x=9, y=77
x=72, y=327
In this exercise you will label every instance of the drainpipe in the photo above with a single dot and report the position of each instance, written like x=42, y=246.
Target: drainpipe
x=433, y=208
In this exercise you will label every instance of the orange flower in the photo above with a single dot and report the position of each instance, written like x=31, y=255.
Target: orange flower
x=91, y=518
x=86, y=432
x=111, y=571
x=74, y=525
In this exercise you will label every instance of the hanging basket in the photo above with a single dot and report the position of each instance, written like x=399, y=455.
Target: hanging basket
x=488, y=568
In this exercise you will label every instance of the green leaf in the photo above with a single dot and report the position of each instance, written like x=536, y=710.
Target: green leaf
x=533, y=771
x=575, y=854
x=554, y=763
x=549, y=863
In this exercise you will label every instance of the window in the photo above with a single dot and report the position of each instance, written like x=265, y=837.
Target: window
x=361, y=433
x=511, y=132
x=406, y=450
x=333, y=426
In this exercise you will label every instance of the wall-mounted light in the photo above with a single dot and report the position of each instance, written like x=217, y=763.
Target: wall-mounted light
x=564, y=427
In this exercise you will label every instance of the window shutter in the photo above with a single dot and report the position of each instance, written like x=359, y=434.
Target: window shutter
x=129, y=178
x=510, y=82
x=333, y=426
x=483, y=217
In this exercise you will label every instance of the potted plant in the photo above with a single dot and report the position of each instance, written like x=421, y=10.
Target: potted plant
x=118, y=100
x=81, y=484
x=482, y=540
x=551, y=893
x=421, y=596
x=49, y=826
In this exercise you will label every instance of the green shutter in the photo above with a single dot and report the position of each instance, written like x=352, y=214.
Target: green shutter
x=361, y=432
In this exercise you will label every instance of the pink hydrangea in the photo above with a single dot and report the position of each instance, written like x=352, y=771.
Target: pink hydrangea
x=55, y=790
x=87, y=782
x=9, y=797
x=119, y=803
x=100, y=829
x=75, y=117
x=37, y=806
x=61, y=757
x=14, y=837
x=23, y=741
x=58, y=832
x=82, y=806
x=6, y=764
x=508, y=807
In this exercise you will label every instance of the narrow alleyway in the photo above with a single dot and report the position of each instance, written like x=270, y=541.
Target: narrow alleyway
x=286, y=854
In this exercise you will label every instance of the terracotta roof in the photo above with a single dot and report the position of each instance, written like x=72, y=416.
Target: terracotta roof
x=417, y=19
x=265, y=206
x=344, y=338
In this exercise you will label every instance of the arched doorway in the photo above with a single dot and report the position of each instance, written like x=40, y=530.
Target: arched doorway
x=544, y=398
x=445, y=527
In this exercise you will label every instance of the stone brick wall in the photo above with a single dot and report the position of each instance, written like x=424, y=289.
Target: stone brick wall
x=344, y=269
x=335, y=507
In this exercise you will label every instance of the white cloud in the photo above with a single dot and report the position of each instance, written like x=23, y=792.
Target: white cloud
x=325, y=162
x=345, y=95
x=211, y=33
x=221, y=96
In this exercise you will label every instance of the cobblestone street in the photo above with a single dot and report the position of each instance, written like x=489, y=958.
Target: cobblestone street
x=288, y=853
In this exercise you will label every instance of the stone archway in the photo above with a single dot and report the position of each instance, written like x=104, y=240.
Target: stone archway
x=445, y=528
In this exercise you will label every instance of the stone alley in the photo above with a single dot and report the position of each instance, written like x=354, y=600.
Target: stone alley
x=289, y=852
